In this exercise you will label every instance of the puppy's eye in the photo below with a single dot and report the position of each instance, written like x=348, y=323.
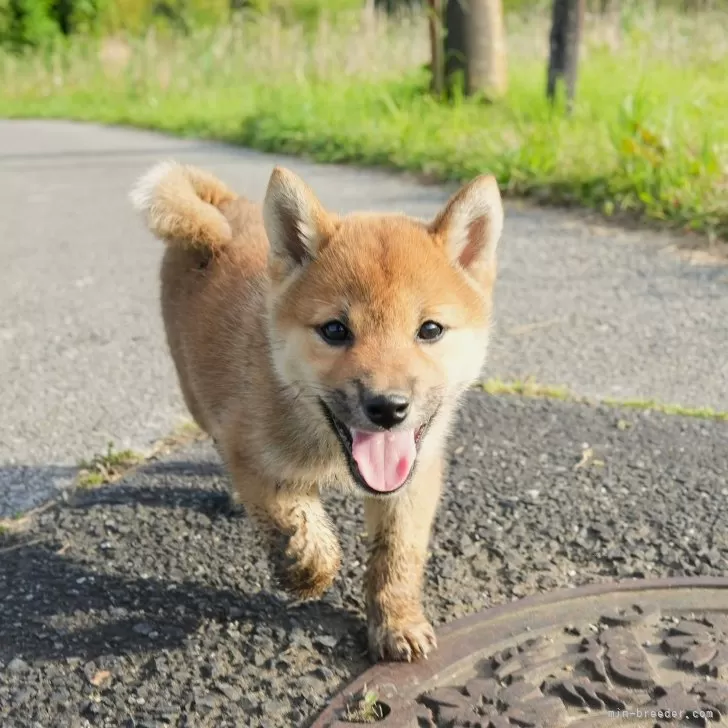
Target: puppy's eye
x=430, y=331
x=334, y=333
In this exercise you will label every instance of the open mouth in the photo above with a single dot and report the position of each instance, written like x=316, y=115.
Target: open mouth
x=380, y=462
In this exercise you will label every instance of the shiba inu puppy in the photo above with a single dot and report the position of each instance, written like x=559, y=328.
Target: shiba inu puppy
x=321, y=351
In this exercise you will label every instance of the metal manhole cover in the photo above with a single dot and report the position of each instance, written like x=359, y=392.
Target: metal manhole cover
x=635, y=653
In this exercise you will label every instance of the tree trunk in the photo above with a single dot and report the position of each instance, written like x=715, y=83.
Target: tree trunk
x=436, y=46
x=566, y=24
x=475, y=46
x=392, y=7
x=488, y=60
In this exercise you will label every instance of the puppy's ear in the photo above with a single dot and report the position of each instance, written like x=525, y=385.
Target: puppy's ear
x=295, y=221
x=470, y=225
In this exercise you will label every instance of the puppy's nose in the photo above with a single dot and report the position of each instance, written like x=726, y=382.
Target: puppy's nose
x=386, y=410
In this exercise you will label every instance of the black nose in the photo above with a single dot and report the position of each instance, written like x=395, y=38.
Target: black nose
x=386, y=410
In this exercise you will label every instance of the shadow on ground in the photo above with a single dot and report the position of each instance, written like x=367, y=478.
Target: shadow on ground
x=31, y=485
x=169, y=611
x=64, y=584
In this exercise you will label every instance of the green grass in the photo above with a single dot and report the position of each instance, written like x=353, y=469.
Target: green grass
x=110, y=466
x=526, y=388
x=705, y=413
x=106, y=467
x=648, y=138
x=531, y=388
x=365, y=708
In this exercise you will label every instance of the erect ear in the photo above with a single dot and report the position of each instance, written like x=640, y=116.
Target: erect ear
x=295, y=221
x=470, y=225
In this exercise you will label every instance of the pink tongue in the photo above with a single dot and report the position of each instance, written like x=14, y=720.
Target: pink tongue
x=384, y=458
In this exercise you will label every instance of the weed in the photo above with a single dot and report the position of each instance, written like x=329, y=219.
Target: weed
x=365, y=708
x=106, y=467
x=704, y=413
x=531, y=388
x=528, y=388
x=14, y=524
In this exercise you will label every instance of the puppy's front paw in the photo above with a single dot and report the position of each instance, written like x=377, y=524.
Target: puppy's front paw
x=402, y=641
x=305, y=570
x=308, y=579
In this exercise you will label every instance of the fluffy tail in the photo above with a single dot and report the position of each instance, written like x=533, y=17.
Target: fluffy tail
x=181, y=205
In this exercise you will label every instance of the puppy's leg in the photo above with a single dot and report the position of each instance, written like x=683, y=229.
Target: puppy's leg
x=303, y=548
x=399, y=530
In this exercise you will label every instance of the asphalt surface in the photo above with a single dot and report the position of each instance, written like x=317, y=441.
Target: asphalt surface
x=146, y=603
x=82, y=356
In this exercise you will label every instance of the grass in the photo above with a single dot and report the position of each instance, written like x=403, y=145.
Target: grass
x=14, y=524
x=705, y=413
x=531, y=388
x=106, y=467
x=109, y=467
x=112, y=465
x=648, y=137
x=365, y=708
x=526, y=388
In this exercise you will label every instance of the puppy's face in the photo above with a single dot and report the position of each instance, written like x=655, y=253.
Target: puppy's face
x=378, y=323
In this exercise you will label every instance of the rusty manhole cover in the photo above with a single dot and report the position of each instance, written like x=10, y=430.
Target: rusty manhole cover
x=635, y=653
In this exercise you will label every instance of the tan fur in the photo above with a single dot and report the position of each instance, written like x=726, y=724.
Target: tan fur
x=244, y=289
x=183, y=203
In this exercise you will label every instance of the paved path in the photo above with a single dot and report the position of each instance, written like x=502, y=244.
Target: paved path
x=144, y=604
x=82, y=357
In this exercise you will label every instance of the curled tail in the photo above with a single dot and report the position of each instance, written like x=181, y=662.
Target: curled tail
x=181, y=205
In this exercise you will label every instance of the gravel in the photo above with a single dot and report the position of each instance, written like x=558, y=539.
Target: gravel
x=148, y=603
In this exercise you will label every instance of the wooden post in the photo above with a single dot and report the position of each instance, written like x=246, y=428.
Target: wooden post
x=566, y=25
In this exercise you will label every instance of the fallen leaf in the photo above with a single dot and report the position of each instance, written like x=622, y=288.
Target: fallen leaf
x=100, y=677
x=586, y=455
